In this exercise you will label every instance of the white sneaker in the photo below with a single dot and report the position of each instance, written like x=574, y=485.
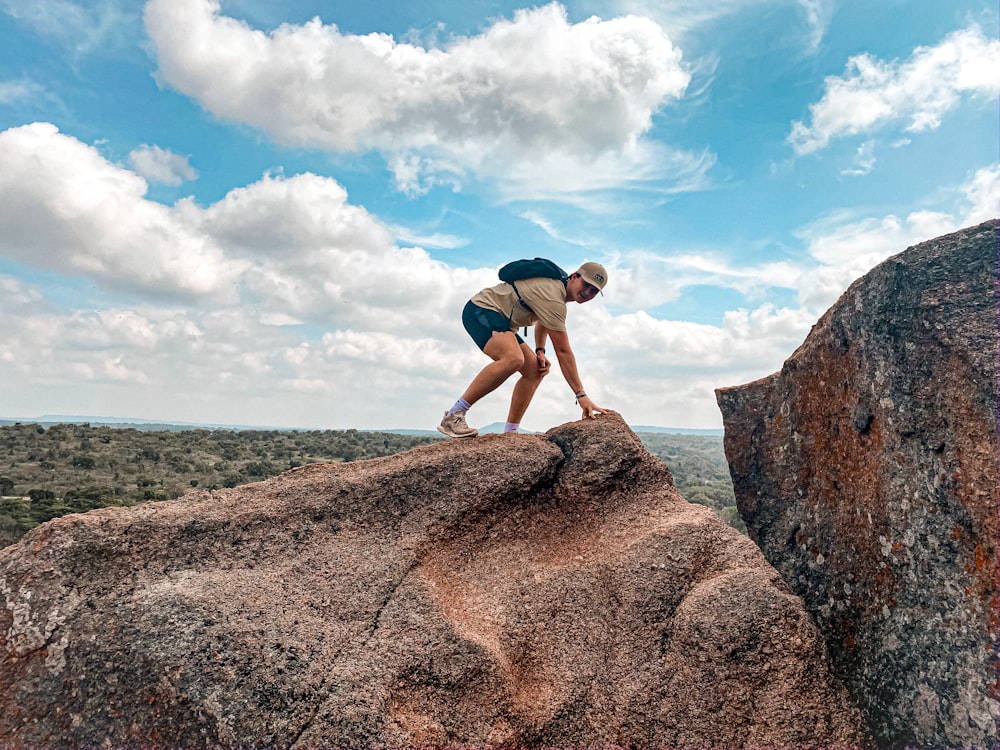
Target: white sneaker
x=454, y=426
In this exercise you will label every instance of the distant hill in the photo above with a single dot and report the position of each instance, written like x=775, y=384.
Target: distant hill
x=134, y=423
x=158, y=425
x=676, y=430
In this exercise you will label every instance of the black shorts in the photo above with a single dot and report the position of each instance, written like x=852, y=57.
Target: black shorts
x=481, y=323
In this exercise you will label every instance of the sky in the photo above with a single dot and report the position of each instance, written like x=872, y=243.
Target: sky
x=256, y=213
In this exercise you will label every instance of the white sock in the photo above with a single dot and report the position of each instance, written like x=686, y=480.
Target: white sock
x=460, y=405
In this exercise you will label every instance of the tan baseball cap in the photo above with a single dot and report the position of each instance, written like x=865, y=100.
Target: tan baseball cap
x=594, y=274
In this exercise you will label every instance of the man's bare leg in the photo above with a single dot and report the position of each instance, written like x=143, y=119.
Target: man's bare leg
x=527, y=384
x=508, y=358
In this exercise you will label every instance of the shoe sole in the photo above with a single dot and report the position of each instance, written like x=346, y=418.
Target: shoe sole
x=457, y=436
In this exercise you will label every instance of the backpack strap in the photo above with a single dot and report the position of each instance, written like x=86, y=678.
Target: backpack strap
x=524, y=304
x=520, y=299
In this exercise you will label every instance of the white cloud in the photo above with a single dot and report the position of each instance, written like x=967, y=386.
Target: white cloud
x=983, y=194
x=840, y=248
x=316, y=257
x=646, y=368
x=847, y=247
x=575, y=179
x=279, y=260
x=534, y=90
x=417, y=175
x=864, y=160
x=86, y=27
x=316, y=317
x=639, y=344
x=285, y=218
x=683, y=18
x=161, y=165
x=548, y=226
x=383, y=321
x=818, y=14
x=207, y=366
x=291, y=247
x=656, y=279
x=16, y=296
x=846, y=250
x=65, y=208
x=434, y=239
x=15, y=91
x=872, y=94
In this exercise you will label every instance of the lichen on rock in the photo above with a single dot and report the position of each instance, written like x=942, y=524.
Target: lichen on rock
x=866, y=470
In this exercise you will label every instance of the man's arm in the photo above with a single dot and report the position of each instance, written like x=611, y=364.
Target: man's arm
x=567, y=364
x=541, y=335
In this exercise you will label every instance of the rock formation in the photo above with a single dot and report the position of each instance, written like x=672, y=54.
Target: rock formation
x=866, y=470
x=530, y=591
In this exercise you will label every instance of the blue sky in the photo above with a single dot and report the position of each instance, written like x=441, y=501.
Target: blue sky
x=249, y=212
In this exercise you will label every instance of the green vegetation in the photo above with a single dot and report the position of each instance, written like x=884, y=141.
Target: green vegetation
x=700, y=469
x=72, y=468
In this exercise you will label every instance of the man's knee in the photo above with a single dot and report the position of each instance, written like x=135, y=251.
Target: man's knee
x=531, y=371
x=513, y=362
x=510, y=358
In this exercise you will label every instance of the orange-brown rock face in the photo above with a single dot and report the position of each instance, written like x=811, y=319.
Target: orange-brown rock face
x=866, y=470
x=531, y=591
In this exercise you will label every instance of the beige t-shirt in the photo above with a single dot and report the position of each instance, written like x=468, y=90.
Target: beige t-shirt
x=547, y=297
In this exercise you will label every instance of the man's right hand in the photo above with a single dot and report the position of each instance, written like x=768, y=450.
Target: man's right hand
x=543, y=363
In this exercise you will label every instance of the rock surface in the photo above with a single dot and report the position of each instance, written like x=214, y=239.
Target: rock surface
x=530, y=591
x=867, y=472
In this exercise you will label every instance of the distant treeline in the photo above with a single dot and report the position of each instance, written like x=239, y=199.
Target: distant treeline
x=701, y=472
x=72, y=468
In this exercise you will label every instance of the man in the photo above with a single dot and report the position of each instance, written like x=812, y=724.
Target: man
x=492, y=318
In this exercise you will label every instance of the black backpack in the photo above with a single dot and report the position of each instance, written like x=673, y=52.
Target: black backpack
x=532, y=269
x=517, y=270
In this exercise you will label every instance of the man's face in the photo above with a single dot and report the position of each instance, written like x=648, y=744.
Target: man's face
x=581, y=290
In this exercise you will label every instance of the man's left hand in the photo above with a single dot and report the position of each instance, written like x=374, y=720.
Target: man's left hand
x=590, y=409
